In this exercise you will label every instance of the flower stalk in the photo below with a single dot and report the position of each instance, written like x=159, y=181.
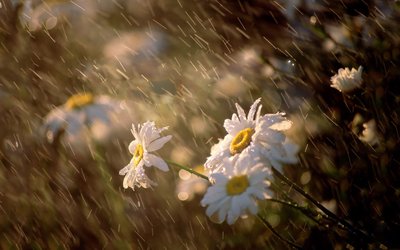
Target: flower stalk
x=270, y=227
x=188, y=169
x=340, y=222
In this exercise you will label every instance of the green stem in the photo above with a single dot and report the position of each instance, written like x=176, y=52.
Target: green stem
x=342, y=223
x=188, y=169
x=270, y=227
x=311, y=214
x=294, y=205
x=305, y=210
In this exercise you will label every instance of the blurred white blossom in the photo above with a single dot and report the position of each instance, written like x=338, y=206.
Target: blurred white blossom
x=235, y=192
x=80, y=114
x=147, y=140
x=369, y=135
x=135, y=51
x=189, y=184
x=283, y=155
x=346, y=80
x=231, y=85
x=339, y=34
x=248, y=59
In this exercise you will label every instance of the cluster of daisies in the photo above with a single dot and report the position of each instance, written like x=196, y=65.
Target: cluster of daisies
x=239, y=167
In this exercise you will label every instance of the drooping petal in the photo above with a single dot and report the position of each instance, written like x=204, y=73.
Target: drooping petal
x=236, y=205
x=155, y=134
x=158, y=143
x=224, y=208
x=125, y=169
x=153, y=160
x=213, y=207
x=232, y=217
x=142, y=180
x=146, y=132
x=129, y=180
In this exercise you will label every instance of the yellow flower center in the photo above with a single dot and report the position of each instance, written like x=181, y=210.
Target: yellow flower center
x=237, y=185
x=138, y=154
x=241, y=141
x=78, y=101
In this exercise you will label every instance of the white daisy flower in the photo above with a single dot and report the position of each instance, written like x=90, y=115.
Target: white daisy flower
x=288, y=155
x=259, y=133
x=235, y=192
x=346, y=80
x=147, y=140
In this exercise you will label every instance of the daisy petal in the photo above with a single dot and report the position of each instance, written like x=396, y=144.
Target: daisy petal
x=241, y=113
x=153, y=160
x=125, y=170
x=253, y=109
x=281, y=126
x=132, y=146
x=159, y=143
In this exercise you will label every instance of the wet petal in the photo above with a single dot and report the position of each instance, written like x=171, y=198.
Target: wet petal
x=159, y=143
x=153, y=160
x=132, y=146
x=253, y=109
x=241, y=113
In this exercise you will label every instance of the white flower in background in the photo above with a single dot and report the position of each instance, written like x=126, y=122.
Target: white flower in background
x=346, y=80
x=283, y=155
x=36, y=15
x=147, y=140
x=80, y=112
x=261, y=134
x=369, y=135
x=339, y=35
x=235, y=192
x=189, y=184
x=231, y=85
